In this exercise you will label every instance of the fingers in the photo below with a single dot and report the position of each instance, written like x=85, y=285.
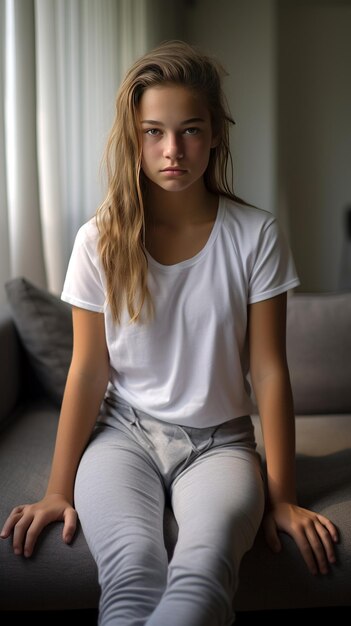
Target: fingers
x=26, y=522
x=328, y=536
x=316, y=545
x=314, y=551
x=271, y=534
x=11, y=521
x=26, y=533
x=314, y=534
x=330, y=527
x=70, y=524
x=18, y=523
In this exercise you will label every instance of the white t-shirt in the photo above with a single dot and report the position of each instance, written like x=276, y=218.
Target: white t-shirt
x=189, y=364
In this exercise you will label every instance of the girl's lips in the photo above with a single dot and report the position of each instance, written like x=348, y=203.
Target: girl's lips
x=173, y=171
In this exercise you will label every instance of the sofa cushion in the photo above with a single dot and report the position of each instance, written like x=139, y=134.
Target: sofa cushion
x=44, y=324
x=319, y=349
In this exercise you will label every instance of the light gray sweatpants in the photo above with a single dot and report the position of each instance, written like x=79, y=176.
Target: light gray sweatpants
x=212, y=478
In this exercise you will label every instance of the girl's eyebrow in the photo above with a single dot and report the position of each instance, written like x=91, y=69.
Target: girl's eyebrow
x=192, y=120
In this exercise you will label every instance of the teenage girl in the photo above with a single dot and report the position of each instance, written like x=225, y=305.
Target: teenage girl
x=178, y=290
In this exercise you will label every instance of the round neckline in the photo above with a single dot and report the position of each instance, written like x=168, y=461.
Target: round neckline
x=194, y=259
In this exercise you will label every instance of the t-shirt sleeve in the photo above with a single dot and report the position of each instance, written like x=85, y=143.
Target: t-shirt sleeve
x=273, y=271
x=84, y=283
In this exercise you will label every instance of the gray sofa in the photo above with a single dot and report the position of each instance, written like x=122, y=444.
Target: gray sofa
x=35, y=345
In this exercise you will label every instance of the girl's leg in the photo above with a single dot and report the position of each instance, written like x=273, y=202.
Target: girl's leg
x=218, y=503
x=120, y=502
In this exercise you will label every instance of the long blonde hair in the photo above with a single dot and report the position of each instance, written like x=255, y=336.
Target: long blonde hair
x=120, y=217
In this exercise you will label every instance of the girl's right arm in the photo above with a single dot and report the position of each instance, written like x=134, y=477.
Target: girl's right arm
x=85, y=388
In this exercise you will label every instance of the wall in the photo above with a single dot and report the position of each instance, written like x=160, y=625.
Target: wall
x=289, y=91
x=314, y=105
x=241, y=34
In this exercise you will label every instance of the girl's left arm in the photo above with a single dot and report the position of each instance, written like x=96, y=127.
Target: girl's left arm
x=314, y=534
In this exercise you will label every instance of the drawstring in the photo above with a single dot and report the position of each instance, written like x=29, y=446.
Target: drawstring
x=139, y=427
x=194, y=448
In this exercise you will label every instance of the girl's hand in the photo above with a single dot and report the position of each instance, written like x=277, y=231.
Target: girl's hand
x=26, y=522
x=314, y=534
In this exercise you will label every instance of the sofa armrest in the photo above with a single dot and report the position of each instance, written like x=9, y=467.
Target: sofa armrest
x=11, y=356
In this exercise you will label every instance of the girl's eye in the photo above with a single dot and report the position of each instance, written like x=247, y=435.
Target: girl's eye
x=153, y=132
x=191, y=131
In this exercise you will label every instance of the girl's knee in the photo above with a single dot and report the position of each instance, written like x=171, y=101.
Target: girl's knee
x=218, y=568
x=136, y=555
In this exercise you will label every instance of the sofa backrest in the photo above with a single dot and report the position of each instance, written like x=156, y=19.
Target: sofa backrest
x=318, y=345
x=319, y=351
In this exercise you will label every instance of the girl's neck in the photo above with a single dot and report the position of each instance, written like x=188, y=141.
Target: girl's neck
x=179, y=209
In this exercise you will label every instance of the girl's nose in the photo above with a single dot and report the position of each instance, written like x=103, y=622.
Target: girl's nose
x=173, y=148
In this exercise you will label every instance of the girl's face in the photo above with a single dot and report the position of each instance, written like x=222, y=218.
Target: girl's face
x=176, y=136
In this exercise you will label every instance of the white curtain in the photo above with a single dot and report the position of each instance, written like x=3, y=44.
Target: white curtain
x=61, y=62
